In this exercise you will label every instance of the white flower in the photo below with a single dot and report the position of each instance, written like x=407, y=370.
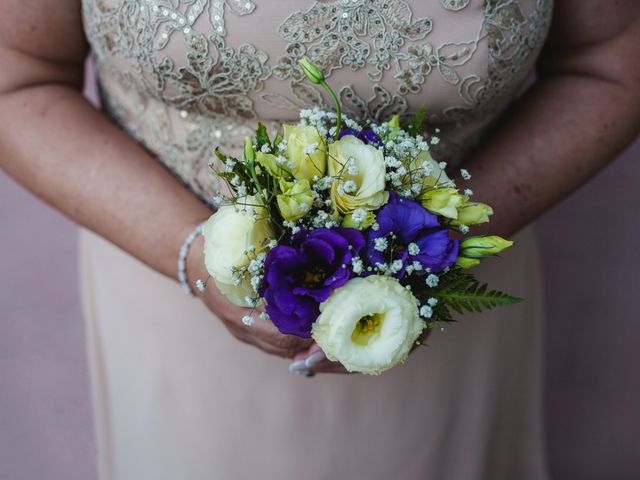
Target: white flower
x=357, y=265
x=364, y=190
x=432, y=280
x=369, y=324
x=464, y=173
x=426, y=311
x=248, y=320
x=358, y=215
x=352, y=168
x=380, y=244
x=396, y=266
x=311, y=148
x=350, y=186
x=231, y=235
x=413, y=248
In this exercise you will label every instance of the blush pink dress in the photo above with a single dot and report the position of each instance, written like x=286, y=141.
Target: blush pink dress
x=176, y=397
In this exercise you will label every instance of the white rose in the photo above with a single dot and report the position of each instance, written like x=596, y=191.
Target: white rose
x=369, y=325
x=361, y=172
x=228, y=236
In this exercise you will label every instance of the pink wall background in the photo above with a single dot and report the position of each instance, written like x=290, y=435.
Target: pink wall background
x=590, y=249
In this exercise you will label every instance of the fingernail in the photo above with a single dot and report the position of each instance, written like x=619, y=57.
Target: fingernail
x=298, y=366
x=314, y=359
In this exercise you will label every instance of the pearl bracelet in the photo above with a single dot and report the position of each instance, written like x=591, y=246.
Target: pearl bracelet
x=182, y=258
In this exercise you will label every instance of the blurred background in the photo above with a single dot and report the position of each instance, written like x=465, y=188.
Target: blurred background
x=590, y=247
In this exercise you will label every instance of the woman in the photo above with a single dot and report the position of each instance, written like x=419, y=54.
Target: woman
x=177, y=398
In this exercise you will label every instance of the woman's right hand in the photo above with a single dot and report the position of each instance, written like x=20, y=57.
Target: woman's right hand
x=262, y=334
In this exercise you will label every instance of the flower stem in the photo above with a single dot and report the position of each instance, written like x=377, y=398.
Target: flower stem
x=336, y=102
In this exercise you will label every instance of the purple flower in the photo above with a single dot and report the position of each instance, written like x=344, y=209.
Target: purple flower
x=300, y=277
x=367, y=136
x=403, y=222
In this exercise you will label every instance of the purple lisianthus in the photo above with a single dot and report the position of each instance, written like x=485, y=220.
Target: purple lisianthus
x=409, y=233
x=300, y=277
x=369, y=137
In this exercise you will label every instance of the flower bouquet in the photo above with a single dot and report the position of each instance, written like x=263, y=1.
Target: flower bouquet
x=344, y=231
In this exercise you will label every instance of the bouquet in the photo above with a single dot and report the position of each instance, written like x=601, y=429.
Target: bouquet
x=350, y=234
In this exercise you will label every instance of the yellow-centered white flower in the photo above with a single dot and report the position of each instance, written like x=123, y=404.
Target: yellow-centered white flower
x=359, y=171
x=369, y=325
x=233, y=236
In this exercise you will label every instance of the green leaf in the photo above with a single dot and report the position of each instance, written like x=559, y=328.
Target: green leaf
x=262, y=137
x=278, y=140
x=463, y=293
x=415, y=126
x=221, y=156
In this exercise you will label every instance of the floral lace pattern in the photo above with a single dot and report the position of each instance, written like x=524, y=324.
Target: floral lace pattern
x=172, y=76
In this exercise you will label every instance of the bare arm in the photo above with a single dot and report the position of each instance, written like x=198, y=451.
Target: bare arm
x=59, y=147
x=583, y=111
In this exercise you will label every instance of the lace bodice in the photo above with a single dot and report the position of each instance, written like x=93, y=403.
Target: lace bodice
x=185, y=76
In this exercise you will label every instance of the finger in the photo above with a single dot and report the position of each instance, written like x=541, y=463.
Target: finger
x=245, y=335
x=266, y=336
x=318, y=362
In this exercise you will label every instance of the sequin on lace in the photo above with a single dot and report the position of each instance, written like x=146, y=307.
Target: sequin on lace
x=170, y=77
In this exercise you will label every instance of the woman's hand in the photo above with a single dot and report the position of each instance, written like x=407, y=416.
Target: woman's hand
x=262, y=334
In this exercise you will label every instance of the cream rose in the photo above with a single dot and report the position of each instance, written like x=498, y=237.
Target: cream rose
x=232, y=237
x=306, y=150
x=369, y=324
x=360, y=175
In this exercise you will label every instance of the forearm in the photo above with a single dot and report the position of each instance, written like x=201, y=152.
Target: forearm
x=58, y=146
x=584, y=110
x=559, y=135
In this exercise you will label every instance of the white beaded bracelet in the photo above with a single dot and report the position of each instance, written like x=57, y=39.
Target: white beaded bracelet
x=182, y=258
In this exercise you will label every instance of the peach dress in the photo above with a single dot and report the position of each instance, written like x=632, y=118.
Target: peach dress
x=176, y=397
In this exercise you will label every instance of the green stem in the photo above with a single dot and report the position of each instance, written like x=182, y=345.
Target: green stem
x=336, y=102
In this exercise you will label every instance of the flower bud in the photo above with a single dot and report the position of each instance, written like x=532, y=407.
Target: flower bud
x=249, y=154
x=486, y=246
x=394, y=126
x=313, y=73
x=473, y=213
x=306, y=151
x=295, y=200
x=443, y=201
x=467, y=263
x=271, y=165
